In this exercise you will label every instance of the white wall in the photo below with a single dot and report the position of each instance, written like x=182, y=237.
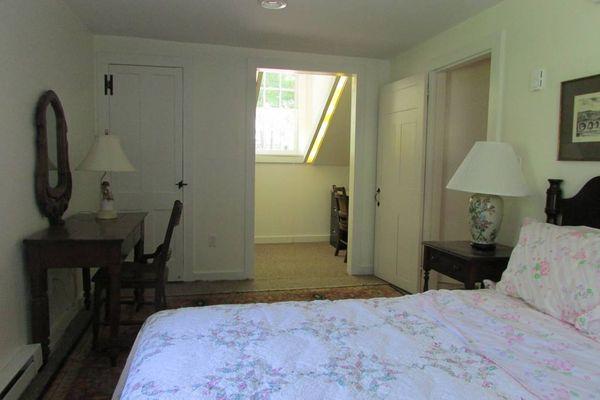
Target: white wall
x=557, y=35
x=43, y=46
x=335, y=148
x=466, y=111
x=221, y=89
x=293, y=201
x=467, y=90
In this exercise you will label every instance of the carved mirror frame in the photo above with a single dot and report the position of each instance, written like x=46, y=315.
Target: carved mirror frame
x=52, y=201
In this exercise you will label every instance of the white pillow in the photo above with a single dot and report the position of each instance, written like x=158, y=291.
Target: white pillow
x=556, y=269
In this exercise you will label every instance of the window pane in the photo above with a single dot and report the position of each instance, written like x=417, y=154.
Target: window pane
x=288, y=99
x=272, y=79
x=288, y=81
x=272, y=98
x=260, y=101
x=277, y=131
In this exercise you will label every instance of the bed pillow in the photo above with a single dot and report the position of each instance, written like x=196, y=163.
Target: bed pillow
x=556, y=269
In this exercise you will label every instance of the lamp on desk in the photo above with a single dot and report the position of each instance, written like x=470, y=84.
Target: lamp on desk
x=106, y=155
x=490, y=170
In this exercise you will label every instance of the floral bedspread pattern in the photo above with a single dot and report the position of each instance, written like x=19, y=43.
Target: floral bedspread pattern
x=437, y=345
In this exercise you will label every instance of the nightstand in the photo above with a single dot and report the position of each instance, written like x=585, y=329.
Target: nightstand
x=460, y=261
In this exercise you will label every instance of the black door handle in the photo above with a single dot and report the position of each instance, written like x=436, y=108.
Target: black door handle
x=181, y=184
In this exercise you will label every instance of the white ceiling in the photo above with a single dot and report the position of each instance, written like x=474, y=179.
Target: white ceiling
x=370, y=28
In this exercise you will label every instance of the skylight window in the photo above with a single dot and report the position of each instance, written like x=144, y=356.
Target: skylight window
x=277, y=115
x=288, y=108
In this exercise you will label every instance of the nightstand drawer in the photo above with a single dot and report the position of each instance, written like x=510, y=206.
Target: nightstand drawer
x=449, y=266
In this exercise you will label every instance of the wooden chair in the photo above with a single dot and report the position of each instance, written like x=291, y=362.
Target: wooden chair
x=342, y=211
x=140, y=274
x=338, y=190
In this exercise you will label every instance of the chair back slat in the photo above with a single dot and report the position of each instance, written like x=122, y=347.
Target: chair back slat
x=164, y=250
x=342, y=210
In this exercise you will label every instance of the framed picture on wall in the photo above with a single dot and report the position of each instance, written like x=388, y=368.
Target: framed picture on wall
x=579, y=137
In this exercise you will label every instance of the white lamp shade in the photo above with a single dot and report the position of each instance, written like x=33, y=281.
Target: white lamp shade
x=490, y=168
x=106, y=154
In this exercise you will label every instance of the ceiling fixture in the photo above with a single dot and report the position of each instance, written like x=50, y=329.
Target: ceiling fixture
x=273, y=4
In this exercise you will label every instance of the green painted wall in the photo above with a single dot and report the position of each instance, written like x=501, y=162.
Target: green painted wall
x=561, y=36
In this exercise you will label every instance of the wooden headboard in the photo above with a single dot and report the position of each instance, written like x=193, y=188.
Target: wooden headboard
x=581, y=209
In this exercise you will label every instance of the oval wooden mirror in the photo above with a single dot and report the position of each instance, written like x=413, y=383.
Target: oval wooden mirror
x=53, y=182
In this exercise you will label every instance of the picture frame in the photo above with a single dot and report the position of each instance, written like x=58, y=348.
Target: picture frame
x=579, y=128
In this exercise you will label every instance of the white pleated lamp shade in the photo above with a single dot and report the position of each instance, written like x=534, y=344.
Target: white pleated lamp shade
x=106, y=155
x=490, y=168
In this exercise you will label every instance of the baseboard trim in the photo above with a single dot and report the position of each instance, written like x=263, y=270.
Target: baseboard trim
x=275, y=239
x=58, y=329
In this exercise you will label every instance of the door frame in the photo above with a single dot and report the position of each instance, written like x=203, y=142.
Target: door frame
x=492, y=47
x=361, y=212
x=103, y=60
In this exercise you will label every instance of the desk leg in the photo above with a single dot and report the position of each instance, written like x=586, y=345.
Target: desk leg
x=425, y=280
x=114, y=303
x=87, y=286
x=138, y=250
x=471, y=278
x=138, y=253
x=40, y=314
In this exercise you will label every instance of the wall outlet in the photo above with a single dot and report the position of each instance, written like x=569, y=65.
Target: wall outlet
x=212, y=241
x=538, y=80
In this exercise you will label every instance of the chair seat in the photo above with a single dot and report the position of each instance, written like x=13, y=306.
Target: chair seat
x=131, y=273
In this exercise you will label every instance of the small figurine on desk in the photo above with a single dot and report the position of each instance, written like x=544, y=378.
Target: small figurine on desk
x=106, y=192
x=107, y=204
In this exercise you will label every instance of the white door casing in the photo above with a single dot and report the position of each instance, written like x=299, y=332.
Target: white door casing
x=146, y=111
x=400, y=179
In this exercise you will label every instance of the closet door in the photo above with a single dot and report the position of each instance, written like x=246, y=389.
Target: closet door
x=145, y=109
x=400, y=181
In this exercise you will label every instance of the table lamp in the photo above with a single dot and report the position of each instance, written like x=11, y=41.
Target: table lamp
x=490, y=170
x=106, y=155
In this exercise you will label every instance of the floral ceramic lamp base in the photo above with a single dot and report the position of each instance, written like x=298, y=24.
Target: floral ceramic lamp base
x=485, y=218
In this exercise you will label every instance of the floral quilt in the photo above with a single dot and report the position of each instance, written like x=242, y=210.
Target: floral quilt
x=436, y=345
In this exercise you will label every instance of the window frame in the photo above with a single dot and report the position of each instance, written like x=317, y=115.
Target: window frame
x=279, y=155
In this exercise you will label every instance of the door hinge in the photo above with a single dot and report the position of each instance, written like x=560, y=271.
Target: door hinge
x=108, y=85
x=181, y=184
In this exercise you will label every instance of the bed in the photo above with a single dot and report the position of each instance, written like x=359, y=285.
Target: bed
x=480, y=344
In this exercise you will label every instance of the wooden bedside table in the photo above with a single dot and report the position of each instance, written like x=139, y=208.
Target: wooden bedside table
x=460, y=261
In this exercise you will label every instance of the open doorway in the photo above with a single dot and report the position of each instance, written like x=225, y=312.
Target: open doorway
x=459, y=110
x=302, y=137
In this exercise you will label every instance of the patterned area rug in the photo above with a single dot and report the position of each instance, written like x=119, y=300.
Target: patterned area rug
x=87, y=373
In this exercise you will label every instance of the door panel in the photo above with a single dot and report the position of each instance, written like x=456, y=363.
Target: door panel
x=400, y=178
x=146, y=111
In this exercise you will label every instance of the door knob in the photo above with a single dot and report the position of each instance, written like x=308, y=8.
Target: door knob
x=181, y=184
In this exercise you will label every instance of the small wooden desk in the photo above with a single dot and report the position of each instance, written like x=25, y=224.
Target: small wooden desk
x=82, y=242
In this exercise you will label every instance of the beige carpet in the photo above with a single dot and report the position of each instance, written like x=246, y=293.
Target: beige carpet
x=285, y=266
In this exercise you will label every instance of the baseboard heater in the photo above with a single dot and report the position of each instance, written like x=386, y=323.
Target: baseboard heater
x=20, y=371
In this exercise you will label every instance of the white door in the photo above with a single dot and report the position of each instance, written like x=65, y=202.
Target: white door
x=145, y=110
x=400, y=182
